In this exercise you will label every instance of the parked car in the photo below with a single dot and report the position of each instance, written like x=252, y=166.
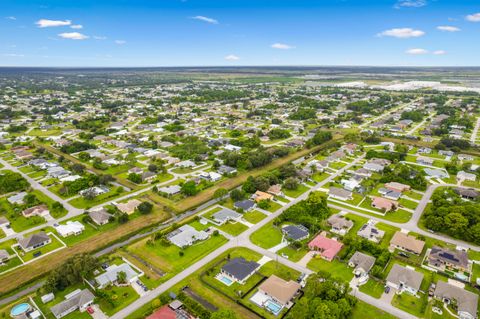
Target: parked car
x=90, y=310
x=403, y=254
x=387, y=289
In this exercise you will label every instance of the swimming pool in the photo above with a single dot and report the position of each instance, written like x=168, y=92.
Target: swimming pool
x=273, y=307
x=19, y=309
x=225, y=280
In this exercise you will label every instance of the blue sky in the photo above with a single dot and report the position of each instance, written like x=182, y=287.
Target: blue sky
x=239, y=32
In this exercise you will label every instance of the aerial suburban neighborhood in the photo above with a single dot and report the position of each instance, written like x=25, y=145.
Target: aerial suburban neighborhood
x=240, y=190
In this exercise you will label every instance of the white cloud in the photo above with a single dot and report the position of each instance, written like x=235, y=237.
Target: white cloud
x=205, y=19
x=76, y=26
x=282, y=46
x=410, y=4
x=473, y=17
x=45, y=23
x=13, y=55
x=11, y=18
x=448, y=28
x=416, y=51
x=99, y=37
x=73, y=36
x=439, y=52
x=232, y=57
x=402, y=33
x=120, y=42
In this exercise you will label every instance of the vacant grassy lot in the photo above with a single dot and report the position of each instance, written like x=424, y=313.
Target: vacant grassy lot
x=254, y=216
x=411, y=304
x=168, y=259
x=363, y=310
x=373, y=288
x=336, y=268
x=295, y=192
x=267, y=236
x=121, y=297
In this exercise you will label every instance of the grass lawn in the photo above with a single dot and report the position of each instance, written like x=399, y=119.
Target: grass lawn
x=273, y=207
x=233, y=229
x=373, y=288
x=319, y=177
x=254, y=216
x=295, y=192
x=120, y=297
x=407, y=203
x=168, y=259
x=358, y=221
x=364, y=310
x=11, y=263
x=267, y=236
x=280, y=270
x=292, y=254
x=55, y=244
x=82, y=202
x=411, y=304
x=20, y=223
x=398, y=216
x=336, y=268
x=389, y=232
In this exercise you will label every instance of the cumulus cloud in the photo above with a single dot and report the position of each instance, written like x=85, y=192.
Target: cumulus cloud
x=205, y=19
x=282, y=46
x=232, y=57
x=439, y=52
x=76, y=26
x=473, y=17
x=410, y=4
x=120, y=42
x=73, y=36
x=45, y=23
x=402, y=33
x=416, y=51
x=448, y=28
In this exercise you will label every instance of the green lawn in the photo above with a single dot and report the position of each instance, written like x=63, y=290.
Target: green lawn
x=411, y=304
x=319, y=177
x=335, y=267
x=407, y=203
x=120, y=297
x=364, y=310
x=295, y=192
x=254, y=216
x=168, y=259
x=280, y=270
x=233, y=229
x=292, y=254
x=267, y=236
x=273, y=207
x=373, y=288
x=11, y=263
x=82, y=202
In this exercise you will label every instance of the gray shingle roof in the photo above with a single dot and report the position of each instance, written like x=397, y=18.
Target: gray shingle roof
x=239, y=268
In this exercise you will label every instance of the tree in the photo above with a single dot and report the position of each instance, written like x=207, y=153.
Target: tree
x=121, y=277
x=291, y=183
x=145, y=208
x=134, y=177
x=237, y=195
x=220, y=193
x=189, y=188
x=11, y=182
x=123, y=218
x=153, y=168
x=249, y=185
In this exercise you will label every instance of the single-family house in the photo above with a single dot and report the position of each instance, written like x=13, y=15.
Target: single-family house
x=239, y=270
x=224, y=215
x=384, y=204
x=462, y=175
x=467, y=193
x=326, y=247
x=398, y=187
x=275, y=190
x=245, y=205
x=77, y=300
x=466, y=301
x=100, y=216
x=340, y=225
x=128, y=207
x=185, y=236
x=34, y=241
x=407, y=243
x=259, y=196
x=70, y=228
x=339, y=193
x=361, y=263
x=279, y=290
x=110, y=276
x=295, y=232
x=370, y=232
x=39, y=210
x=404, y=279
x=446, y=259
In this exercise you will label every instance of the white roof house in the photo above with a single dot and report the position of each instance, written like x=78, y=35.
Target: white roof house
x=111, y=274
x=70, y=228
x=186, y=236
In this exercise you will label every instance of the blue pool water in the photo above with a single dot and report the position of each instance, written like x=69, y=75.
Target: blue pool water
x=226, y=281
x=273, y=307
x=20, y=309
